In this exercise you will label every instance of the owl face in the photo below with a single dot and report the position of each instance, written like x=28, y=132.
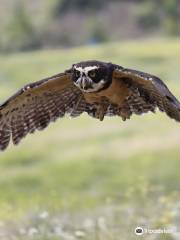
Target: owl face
x=91, y=76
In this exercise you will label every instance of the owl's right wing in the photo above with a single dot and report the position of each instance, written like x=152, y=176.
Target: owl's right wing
x=147, y=92
x=36, y=105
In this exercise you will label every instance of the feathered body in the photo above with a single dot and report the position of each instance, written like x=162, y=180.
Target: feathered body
x=97, y=88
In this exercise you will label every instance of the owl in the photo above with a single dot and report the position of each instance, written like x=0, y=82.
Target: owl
x=97, y=88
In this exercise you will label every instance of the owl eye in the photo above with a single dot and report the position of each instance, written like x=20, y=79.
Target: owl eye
x=77, y=74
x=92, y=74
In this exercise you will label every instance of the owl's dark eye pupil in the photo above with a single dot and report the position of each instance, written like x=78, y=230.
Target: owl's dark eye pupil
x=92, y=74
x=77, y=73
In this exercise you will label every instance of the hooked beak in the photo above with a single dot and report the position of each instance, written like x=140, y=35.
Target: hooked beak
x=85, y=84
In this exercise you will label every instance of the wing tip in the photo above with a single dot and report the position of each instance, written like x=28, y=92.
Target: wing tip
x=3, y=146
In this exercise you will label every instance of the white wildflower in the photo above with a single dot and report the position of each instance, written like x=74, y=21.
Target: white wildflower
x=32, y=231
x=44, y=215
x=80, y=234
x=60, y=232
x=102, y=223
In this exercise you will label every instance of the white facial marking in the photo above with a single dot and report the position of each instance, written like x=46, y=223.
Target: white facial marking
x=82, y=80
x=96, y=86
x=86, y=69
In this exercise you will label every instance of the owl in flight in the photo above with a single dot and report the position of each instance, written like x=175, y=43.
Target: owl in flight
x=97, y=88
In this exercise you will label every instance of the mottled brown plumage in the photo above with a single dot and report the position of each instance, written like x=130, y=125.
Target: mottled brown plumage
x=97, y=88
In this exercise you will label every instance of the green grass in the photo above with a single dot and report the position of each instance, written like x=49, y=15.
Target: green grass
x=111, y=175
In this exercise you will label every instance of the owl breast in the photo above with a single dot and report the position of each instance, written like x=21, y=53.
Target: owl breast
x=115, y=94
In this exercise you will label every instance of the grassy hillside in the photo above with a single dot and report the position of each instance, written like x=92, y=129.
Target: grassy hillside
x=85, y=179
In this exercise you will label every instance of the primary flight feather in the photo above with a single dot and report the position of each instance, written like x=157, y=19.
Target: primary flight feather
x=97, y=88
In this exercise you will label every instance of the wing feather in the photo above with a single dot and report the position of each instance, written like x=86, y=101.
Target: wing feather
x=36, y=105
x=151, y=89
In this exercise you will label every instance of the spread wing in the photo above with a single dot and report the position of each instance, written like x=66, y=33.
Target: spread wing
x=146, y=93
x=36, y=105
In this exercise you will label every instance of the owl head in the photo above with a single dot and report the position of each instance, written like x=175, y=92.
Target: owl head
x=92, y=76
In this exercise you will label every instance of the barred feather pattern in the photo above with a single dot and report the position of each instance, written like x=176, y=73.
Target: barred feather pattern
x=35, y=113
x=152, y=90
x=134, y=103
x=137, y=104
x=166, y=103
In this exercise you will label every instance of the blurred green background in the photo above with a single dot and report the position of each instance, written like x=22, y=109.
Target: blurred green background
x=81, y=178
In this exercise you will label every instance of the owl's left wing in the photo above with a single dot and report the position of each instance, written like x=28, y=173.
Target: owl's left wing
x=147, y=92
x=36, y=105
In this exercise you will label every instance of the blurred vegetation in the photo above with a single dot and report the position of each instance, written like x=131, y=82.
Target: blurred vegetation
x=27, y=25
x=64, y=6
x=80, y=178
x=19, y=32
x=163, y=14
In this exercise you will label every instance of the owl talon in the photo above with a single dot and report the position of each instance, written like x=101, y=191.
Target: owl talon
x=100, y=112
x=101, y=116
x=124, y=114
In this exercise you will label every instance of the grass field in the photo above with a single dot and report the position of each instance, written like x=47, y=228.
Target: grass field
x=85, y=179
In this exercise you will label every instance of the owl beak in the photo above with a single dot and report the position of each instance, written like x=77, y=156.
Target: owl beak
x=85, y=84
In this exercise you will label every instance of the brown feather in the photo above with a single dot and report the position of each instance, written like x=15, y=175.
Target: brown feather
x=151, y=89
x=36, y=105
x=128, y=92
